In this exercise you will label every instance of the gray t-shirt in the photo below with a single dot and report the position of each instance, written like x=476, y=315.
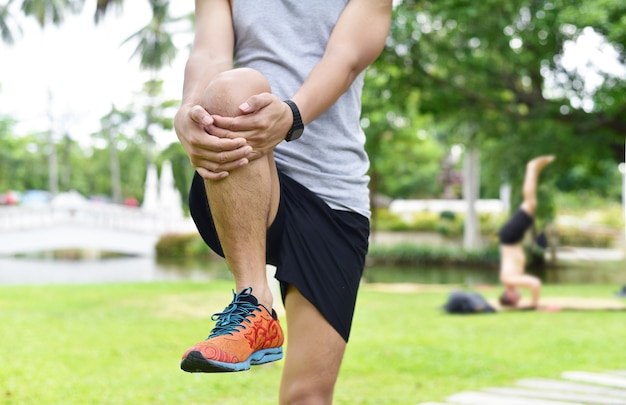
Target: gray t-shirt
x=284, y=40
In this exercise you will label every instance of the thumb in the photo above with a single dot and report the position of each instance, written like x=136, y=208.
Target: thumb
x=200, y=115
x=255, y=103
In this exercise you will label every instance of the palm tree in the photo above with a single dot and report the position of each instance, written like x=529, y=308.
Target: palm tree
x=8, y=25
x=155, y=45
x=50, y=11
x=155, y=49
x=156, y=114
x=111, y=132
x=103, y=6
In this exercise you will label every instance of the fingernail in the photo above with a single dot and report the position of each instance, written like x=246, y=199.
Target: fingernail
x=244, y=107
x=207, y=119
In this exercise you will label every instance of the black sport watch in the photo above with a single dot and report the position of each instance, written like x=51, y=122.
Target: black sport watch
x=297, y=127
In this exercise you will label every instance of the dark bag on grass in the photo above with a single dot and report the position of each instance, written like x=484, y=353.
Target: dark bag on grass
x=463, y=302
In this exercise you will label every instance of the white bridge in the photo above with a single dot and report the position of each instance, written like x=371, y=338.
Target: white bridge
x=70, y=221
x=87, y=225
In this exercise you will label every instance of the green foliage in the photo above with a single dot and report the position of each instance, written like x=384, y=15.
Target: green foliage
x=447, y=223
x=423, y=221
x=183, y=172
x=113, y=165
x=407, y=254
x=46, y=12
x=496, y=83
x=177, y=246
x=569, y=236
x=384, y=220
x=480, y=74
x=155, y=42
x=23, y=160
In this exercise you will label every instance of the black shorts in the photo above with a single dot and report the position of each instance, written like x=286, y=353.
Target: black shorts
x=513, y=231
x=318, y=250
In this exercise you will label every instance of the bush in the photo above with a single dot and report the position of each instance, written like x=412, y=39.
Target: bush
x=406, y=254
x=597, y=238
x=175, y=245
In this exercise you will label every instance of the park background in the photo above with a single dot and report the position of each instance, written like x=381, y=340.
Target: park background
x=462, y=96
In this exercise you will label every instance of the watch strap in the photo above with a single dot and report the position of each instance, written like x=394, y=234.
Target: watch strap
x=297, y=127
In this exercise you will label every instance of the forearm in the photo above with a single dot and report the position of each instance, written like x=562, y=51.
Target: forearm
x=535, y=294
x=324, y=85
x=199, y=70
x=212, y=50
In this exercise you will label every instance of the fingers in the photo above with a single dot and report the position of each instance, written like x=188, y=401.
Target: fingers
x=209, y=175
x=214, y=165
x=200, y=116
x=224, y=127
x=213, y=156
x=256, y=103
x=219, y=171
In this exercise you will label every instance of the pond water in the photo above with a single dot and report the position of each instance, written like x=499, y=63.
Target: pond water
x=121, y=269
x=14, y=271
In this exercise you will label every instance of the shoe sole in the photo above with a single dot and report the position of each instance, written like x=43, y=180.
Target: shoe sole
x=196, y=363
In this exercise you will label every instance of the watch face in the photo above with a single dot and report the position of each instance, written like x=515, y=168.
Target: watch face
x=295, y=134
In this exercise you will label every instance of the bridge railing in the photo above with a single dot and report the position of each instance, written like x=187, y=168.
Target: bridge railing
x=96, y=215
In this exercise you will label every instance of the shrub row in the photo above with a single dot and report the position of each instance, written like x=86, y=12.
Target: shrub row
x=407, y=254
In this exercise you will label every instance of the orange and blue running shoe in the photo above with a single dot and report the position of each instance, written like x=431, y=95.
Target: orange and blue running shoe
x=245, y=334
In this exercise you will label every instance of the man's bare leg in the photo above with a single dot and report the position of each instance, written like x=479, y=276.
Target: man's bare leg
x=244, y=203
x=531, y=179
x=314, y=354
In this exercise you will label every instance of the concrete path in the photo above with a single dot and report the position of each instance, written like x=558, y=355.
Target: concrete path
x=573, y=388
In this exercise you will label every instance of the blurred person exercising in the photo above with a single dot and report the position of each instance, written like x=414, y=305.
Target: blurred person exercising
x=513, y=258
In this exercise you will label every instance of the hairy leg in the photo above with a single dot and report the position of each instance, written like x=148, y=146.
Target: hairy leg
x=244, y=203
x=314, y=354
x=243, y=206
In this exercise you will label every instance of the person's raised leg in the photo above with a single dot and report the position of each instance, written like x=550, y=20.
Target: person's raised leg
x=243, y=205
x=314, y=354
x=531, y=180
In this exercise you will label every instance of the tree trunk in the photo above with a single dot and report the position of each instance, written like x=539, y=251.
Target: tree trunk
x=471, y=188
x=114, y=162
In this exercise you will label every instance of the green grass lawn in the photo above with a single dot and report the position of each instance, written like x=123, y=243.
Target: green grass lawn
x=121, y=344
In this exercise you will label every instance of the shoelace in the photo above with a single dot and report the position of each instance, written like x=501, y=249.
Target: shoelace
x=229, y=320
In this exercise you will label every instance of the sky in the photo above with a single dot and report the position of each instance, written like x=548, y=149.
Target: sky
x=68, y=77
x=75, y=73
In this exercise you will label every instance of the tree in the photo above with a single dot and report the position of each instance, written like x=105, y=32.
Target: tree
x=490, y=71
x=9, y=27
x=155, y=49
x=50, y=11
x=23, y=159
x=152, y=115
x=155, y=45
x=112, y=129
